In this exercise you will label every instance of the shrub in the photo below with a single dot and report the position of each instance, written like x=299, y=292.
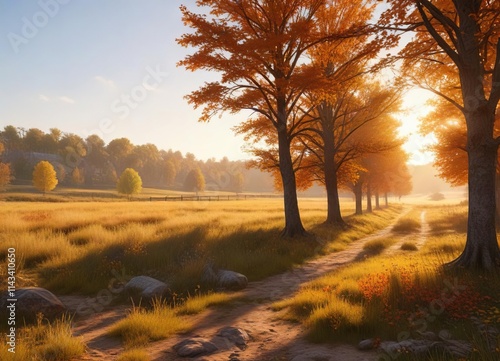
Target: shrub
x=129, y=183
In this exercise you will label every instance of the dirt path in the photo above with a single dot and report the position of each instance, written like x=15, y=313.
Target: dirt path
x=417, y=239
x=271, y=339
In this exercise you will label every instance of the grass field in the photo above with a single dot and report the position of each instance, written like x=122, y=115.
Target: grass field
x=78, y=247
x=385, y=297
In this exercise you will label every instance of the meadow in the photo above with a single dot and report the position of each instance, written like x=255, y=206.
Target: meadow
x=76, y=248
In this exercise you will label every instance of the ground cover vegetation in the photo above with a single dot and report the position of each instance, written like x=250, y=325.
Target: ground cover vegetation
x=405, y=293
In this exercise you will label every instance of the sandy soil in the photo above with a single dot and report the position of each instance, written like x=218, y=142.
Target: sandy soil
x=272, y=339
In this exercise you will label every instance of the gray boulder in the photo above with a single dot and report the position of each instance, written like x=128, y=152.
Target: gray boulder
x=225, y=279
x=146, y=287
x=193, y=347
x=235, y=335
x=30, y=302
x=231, y=280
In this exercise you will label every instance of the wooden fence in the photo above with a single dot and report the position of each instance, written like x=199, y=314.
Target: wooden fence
x=213, y=198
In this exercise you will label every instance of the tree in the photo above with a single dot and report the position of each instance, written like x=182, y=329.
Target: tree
x=77, y=177
x=119, y=149
x=259, y=47
x=5, y=175
x=170, y=172
x=457, y=46
x=195, y=181
x=129, y=183
x=44, y=177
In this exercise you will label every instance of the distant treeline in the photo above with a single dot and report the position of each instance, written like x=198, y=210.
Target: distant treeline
x=92, y=162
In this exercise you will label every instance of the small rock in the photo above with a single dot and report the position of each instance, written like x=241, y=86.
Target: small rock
x=366, y=345
x=236, y=335
x=231, y=280
x=146, y=287
x=194, y=347
x=225, y=279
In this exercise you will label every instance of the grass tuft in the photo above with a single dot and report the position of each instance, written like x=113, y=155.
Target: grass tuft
x=45, y=341
x=406, y=225
x=199, y=303
x=143, y=326
x=409, y=246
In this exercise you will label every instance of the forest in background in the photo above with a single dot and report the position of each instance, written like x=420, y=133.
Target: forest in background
x=91, y=162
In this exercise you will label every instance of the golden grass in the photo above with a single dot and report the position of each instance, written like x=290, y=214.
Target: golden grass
x=134, y=355
x=76, y=247
x=199, y=303
x=143, y=326
x=385, y=295
x=376, y=246
x=45, y=342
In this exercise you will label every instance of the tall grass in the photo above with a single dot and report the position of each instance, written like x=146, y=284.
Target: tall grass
x=45, y=342
x=143, y=326
x=77, y=247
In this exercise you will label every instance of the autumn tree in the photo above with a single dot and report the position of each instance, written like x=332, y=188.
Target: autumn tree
x=195, y=181
x=456, y=46
x=170, y=172
x=44, y=177
x=348, y=128
x=259, y=47
x=77, y=177
x=5, y=173
x=129, y=183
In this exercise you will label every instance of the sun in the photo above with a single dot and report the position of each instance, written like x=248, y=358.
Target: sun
x=414, y=108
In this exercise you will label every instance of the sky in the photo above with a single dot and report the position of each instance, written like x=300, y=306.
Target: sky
x=108, y=67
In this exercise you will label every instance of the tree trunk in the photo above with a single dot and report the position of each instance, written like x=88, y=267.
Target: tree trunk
x=497, y=198
x=334, y=215
x=369, y=207
x=481, y=247
x=377, y=200
x=358, y=194
x=293, y=223
x=386, y=196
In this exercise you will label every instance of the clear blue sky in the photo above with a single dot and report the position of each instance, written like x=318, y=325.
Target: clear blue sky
x=105, y=67
x=108, y=67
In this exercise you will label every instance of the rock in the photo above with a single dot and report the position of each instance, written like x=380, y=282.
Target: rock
x=146, y=287
x=429, y=335
x=231, y=280
x=222, y=278
x=31, y=301
x=236, y=335
x=195, y=346
x=209, y=275
x=366, y=345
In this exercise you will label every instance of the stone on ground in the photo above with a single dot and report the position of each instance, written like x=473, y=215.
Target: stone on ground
x=195, y=346
x=146, y=287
